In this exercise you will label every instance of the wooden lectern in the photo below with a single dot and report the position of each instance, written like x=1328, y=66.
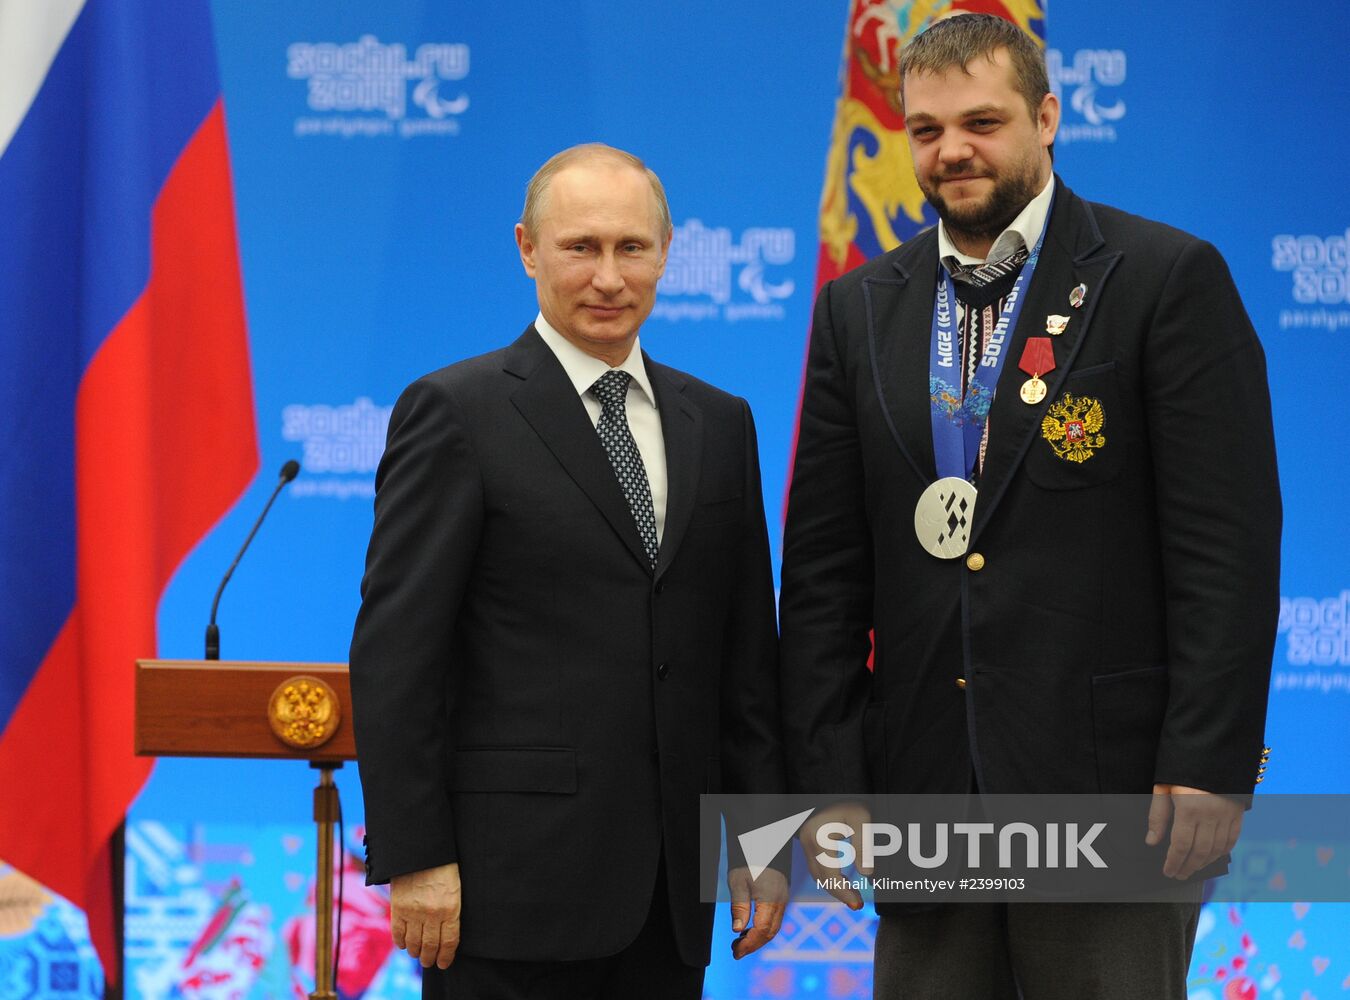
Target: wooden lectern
x=289, y=711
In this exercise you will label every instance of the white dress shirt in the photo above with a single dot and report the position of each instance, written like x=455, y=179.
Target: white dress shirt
x=644, y=421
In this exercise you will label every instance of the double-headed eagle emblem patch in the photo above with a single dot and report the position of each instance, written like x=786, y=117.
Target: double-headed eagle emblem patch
x=1073, y=427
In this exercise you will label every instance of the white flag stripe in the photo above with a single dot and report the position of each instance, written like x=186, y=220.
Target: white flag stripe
x=31, y=33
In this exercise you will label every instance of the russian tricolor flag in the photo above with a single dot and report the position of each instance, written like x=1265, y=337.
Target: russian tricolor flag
x=126, y=413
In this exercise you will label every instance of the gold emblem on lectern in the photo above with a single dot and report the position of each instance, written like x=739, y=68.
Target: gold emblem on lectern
x=304, y=712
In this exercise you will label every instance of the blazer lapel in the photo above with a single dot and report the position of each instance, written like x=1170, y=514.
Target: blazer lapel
x=1074, y=254
x=899, y=322
x=682, y=428
x=549, y=403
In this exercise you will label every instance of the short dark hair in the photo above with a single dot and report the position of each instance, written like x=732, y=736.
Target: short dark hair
x=962, y=38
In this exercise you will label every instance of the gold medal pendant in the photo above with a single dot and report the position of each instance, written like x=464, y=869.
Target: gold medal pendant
x=1033, y=391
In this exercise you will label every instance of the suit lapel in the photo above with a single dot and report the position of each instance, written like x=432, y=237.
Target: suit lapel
x=682, y=428
x=1074, y=254
x=899, y=321
x=548, y=401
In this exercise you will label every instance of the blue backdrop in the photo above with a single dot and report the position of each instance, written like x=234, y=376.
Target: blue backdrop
x=380, y=153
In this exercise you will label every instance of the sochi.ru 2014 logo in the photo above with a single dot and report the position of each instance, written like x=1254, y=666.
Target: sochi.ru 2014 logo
x=1088, y=115
x=1316, y=633
x=362, y=88
x=1320, y=269
x=342, y=446
x=711, y=276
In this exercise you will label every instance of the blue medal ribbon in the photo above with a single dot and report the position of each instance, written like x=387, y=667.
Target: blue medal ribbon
x=958, y=422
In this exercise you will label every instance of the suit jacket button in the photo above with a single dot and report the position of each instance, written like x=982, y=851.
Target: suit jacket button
x=961, y=683
x=662, y=671
x=974, y=562
x=660, y=586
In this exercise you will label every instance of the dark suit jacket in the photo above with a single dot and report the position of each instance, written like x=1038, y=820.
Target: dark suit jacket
x=1120, y=630
x=532, y=701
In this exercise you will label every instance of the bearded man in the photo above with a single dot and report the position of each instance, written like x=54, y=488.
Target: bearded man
x=1035, y=481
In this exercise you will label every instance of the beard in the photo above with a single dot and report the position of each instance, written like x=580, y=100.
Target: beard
x=986, y=219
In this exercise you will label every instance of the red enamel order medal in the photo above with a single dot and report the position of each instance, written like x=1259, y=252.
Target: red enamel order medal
x=1038, y=358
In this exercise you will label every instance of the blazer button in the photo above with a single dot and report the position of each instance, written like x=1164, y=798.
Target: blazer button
x=974, y=562
x=660, y=586
x=961, y=683
x=662, y=671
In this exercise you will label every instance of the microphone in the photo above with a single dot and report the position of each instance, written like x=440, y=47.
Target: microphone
x=288, y=472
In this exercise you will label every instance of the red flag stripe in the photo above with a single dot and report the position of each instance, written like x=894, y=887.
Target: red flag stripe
x=165, y=443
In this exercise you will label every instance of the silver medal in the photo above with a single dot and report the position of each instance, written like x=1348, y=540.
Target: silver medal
x=943, y=517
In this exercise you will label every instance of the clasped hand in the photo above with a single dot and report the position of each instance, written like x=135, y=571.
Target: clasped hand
x=769, y=894
x=1205, y=827
x=424, y=914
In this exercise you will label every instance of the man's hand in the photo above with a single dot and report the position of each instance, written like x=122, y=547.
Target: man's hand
x=769, y=893
x=1204, y=829
x=424, y=914
x=854, y=814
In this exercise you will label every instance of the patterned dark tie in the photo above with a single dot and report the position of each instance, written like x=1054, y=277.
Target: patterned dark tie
x=611, y=389
x=988, y=273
